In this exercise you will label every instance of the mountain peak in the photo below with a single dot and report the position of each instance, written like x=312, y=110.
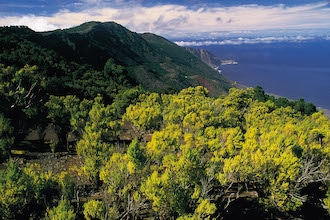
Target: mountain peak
x=83, y=28
x=91, y=25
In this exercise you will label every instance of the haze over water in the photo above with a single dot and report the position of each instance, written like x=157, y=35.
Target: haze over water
x=293, y=70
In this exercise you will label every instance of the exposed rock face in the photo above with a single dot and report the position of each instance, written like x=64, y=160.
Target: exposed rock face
x=206, y=56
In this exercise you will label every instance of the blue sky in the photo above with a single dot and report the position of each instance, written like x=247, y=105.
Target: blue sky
x=180, y=19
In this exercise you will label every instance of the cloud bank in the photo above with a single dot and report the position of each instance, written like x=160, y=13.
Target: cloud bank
x=243, y=40
x=175, y=21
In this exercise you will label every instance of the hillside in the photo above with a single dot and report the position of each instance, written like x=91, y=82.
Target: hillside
x=152, y=61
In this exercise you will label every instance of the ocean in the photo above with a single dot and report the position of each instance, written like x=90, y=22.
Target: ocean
x=293, y=70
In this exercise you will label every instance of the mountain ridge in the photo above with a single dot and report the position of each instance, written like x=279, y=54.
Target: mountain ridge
x=153, y=61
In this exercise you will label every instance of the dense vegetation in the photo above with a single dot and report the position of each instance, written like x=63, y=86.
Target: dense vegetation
x=188, y=156
x=117, y=151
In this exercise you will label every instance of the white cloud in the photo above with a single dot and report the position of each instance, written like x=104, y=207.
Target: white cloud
x=243, y=40
x=36, y=23
x=180, y=21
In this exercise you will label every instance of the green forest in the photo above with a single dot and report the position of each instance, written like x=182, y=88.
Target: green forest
x=82, y=142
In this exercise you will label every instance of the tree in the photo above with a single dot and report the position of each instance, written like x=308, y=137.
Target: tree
x=259, y=94
x=136, y=155
x=100, y=133
x=94, y=209
x=122, y=179
x=164, y=142
x=125, y=98
x=167, y=196
x=6, y=137
x=145, y=114
x=14, y=191
x=66, y=184
x=22, y=88
x=109, y=82
x=188, y=101
x=205, y=209
x=21, y=94
x=24, y=192
x=63, y=211
x=69, y=114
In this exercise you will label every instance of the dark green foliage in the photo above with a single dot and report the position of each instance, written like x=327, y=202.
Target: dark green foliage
x=297, y=150
x=109, y=82
x=6, y=137
x=303, y=107
x=22, y=94
x=24, y=192
x=124, y=98
x=281, y=101
x=299, y=105
x=136, y=155
x=259, y=94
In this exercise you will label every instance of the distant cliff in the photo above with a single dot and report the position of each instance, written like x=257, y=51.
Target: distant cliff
x=206, y=56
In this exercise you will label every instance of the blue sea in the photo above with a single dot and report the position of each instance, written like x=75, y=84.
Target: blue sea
x=293, y=70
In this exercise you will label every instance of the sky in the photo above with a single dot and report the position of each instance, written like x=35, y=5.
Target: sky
x=180, y=19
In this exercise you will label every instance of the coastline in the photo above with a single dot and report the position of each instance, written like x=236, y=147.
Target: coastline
x=325, y=111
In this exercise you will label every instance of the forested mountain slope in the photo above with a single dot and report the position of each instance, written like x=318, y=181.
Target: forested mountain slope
x=152, y=61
